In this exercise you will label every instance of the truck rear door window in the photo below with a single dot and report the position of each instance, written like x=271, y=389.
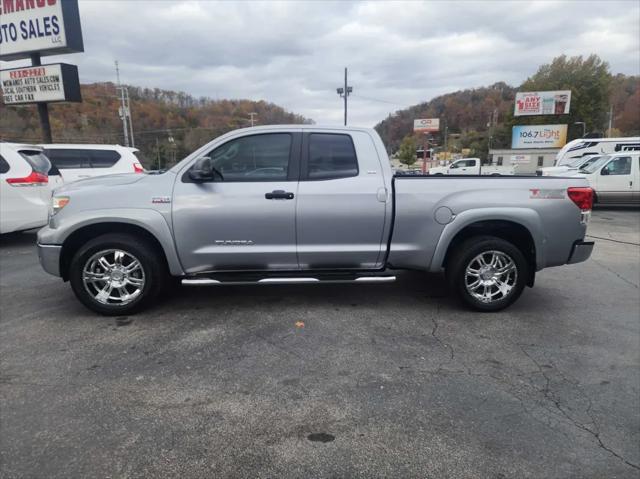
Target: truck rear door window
x=331, y=156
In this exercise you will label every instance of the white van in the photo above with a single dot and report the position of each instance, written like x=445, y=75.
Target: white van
x=595, y=146
x=614, y=178
x=76, y=162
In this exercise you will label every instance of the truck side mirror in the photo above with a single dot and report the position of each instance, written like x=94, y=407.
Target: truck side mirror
x=604, y=171
x=203, y=171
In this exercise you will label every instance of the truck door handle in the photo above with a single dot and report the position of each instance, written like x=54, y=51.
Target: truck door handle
x=279, y=195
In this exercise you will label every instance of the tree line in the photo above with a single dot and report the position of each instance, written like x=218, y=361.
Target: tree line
x=168, y=125
x=479, y=118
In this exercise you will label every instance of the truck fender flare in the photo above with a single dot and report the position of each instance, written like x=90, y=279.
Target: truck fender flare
x=524, y=217
x=150, y=220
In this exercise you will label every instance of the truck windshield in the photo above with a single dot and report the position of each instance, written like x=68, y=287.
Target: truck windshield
x=582, y=162
x=592, y=166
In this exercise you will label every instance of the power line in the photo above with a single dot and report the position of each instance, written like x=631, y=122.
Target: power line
x=382, y=101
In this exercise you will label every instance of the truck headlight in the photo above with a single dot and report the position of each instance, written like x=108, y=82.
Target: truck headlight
x=57, y=203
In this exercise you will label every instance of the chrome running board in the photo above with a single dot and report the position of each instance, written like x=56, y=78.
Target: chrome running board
x=215, y=282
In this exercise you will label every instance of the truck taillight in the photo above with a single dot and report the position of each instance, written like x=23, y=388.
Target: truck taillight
x=34, y=179
x=582, y=197
x=137, y=168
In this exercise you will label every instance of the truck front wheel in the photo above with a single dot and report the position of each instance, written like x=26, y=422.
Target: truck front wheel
x=117, y=274
x=488, y=273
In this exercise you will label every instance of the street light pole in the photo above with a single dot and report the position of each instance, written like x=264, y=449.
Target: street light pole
x=344, y=93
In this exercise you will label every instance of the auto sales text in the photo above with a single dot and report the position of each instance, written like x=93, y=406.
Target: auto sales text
x=26, y=29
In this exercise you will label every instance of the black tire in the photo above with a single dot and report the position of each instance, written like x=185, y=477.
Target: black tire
x=464, y=255
x=152, y=264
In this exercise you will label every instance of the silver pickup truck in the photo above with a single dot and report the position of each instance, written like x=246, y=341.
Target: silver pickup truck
x=307, y=204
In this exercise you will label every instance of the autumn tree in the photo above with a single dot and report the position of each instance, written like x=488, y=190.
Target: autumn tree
x=407, y=151
x=590, y=83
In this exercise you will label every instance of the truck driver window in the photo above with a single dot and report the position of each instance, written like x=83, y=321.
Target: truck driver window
x=254, y=158
x=619, y=166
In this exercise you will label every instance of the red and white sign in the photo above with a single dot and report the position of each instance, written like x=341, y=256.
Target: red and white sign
x=426, y=125
x=542, y=103
x=43, y=83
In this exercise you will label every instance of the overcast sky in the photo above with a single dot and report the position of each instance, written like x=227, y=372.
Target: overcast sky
x=294, y=53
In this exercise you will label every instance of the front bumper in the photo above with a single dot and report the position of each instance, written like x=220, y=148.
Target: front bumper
x=49, y=256
x=580, y=252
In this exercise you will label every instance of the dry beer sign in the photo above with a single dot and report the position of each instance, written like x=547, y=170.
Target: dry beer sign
x=542, y=103
x=45, y=83
x=48, y=27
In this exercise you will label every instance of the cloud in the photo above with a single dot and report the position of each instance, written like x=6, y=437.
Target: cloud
x=293, y=53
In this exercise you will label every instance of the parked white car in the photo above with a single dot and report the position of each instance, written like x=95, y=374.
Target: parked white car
x=471, y=166
x=569, y=168
x=595, y=146
x=25, y=187
x=77, y=162
x=614, y=178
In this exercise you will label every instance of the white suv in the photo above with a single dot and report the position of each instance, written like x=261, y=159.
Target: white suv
x=76, y=162
x=25, y=187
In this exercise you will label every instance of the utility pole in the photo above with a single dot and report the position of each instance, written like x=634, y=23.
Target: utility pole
x=251, y=115
x=446, y=135
x=133, y=143
x=344, y=93
x=158, y=152
x=123, y=111
x=610, y=121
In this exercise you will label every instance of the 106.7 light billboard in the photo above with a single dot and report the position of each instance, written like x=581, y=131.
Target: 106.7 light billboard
x=538, y=136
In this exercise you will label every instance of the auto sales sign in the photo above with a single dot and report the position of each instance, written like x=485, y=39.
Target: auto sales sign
x=49, y=27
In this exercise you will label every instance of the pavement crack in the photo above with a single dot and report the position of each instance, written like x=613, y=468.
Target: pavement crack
x=615, y=273
x=548, y=394
x=435, y=336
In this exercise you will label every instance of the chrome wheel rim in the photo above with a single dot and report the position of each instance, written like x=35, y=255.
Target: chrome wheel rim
x=491, y=276
x=113, y=277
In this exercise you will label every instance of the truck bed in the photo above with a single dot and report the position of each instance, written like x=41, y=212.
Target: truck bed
x=430, y=210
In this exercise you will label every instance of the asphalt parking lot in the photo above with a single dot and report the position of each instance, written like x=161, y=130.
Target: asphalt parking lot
x=389, y=380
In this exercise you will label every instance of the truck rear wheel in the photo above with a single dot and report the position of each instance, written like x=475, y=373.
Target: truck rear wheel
x=117, y=274
x=488, y=273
